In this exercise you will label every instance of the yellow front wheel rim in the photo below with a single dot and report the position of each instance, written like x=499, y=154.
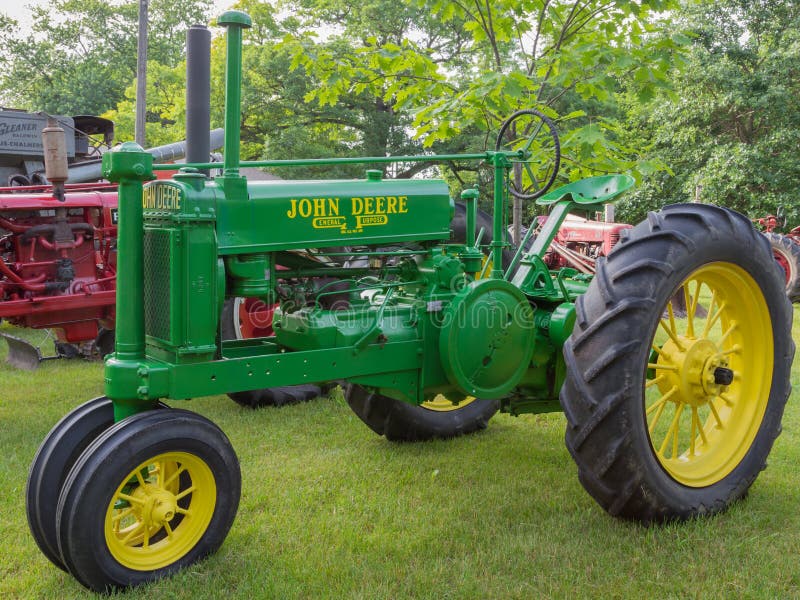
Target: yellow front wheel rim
x=709, y=375
x=160, y=511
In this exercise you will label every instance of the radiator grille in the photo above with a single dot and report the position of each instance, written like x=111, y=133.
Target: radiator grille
x=157, y=283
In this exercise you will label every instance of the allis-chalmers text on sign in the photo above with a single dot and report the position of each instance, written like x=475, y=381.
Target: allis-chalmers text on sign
x=21, y=133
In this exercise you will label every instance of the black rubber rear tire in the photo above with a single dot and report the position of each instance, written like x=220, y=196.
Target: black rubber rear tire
x=104, y=342
x=107, y=463
x=403, y=422
x=278, y=396
x=789, y=251
x=603, y=395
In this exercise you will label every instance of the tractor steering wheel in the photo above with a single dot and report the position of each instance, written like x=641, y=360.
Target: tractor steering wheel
x=532, y=137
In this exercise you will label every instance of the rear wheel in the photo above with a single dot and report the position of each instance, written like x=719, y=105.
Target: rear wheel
x=787, y=255
x=403, y=422
x=155, y=493
x=104, y=342
x=246, y=318
x=673, y=416
x=439, y=418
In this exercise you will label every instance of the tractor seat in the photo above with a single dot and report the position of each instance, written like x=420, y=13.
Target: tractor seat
x=592, y=190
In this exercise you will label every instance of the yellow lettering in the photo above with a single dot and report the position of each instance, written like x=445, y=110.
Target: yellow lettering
x=161, y=197
x=320, y=222
x=333, y=206
x=391, y=204
x=304, y=207
x=401, y=204
x=379, y=208
x=358, y=206
x=368, y=207
x=292, y=212
x=319, y=207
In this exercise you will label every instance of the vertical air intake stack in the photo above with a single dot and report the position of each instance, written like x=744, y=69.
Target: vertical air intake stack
x=198, y=94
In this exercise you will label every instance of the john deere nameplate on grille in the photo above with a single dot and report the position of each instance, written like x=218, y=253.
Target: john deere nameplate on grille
x=162, y=197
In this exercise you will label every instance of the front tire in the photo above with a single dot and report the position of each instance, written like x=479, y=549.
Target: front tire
x=671, y=417
x=57, y=453
x=156, y=492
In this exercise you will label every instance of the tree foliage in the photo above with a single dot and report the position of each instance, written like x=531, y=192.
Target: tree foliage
x=488, y=59
x=280, y=116
x=82, y=54
x=731, y=131
x=695, y=98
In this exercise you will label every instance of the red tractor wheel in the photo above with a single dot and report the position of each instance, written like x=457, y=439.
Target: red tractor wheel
x=250, y=318
x=787, y=255
x=246, y=318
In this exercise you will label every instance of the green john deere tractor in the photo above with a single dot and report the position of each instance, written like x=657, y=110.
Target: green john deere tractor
x=670, y=413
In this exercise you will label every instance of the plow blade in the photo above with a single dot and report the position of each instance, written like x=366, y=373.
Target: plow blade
x=22, y=354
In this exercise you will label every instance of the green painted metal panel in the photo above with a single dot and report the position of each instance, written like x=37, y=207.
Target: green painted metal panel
x=181, y=287
x=333, y=213
x=153, y=378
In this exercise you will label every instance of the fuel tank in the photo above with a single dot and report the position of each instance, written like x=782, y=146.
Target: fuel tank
x=286, y=215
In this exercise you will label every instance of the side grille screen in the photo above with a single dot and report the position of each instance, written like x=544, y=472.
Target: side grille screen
x=157, y=283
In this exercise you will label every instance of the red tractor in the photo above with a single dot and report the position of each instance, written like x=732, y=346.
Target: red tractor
x=785, y=249
x=580, y=242
x=58, y=242
x=58, y=264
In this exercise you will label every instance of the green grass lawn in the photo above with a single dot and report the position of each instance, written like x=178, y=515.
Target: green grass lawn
x=330, y=510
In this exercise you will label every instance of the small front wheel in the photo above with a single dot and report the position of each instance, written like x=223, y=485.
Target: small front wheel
x=55, y=457
x=155, y=493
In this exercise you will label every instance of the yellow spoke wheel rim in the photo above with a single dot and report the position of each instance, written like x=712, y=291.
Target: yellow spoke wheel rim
x=442, y=404
x=709, y=375
x=160, y=511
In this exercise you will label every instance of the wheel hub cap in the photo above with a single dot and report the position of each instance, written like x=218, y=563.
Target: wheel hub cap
x=693, y=368
x=158, y=506
x=160, y=511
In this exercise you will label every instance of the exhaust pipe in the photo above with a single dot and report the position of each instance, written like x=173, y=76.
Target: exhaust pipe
x=198, y=94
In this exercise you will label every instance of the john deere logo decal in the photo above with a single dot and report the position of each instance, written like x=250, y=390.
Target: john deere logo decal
x=161, y=197
x=369, y=210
